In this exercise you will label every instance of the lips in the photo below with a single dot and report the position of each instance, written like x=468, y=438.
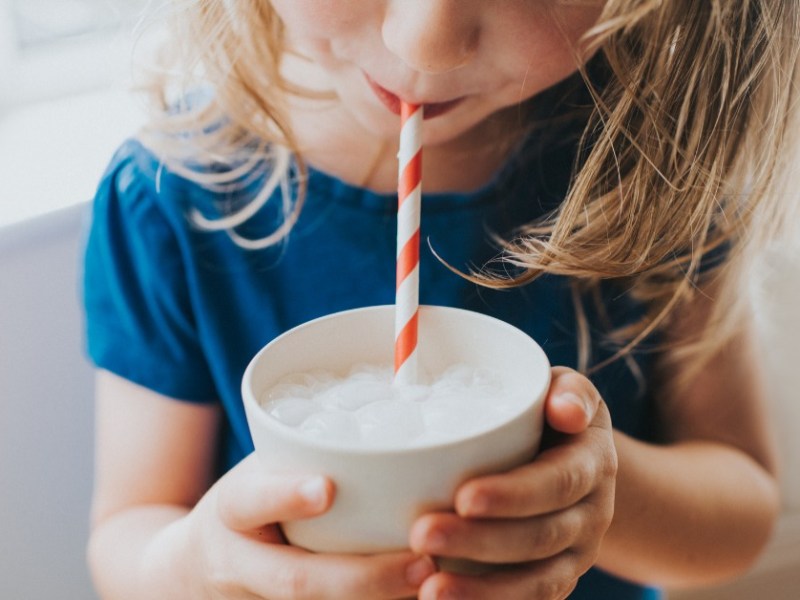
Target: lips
x=392, y=102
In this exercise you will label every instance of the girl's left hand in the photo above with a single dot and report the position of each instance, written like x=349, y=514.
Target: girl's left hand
x=544, y=521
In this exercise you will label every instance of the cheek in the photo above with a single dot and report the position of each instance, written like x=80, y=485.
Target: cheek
x=545, y=47
x=324, y=29
x=319, y=18
x=574, y=22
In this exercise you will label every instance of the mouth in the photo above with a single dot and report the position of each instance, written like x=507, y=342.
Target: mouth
x=391, y=101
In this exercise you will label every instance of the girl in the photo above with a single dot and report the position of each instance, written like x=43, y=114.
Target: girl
x=596, y=173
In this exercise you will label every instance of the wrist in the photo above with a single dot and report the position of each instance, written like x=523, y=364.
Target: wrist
x=165, y=566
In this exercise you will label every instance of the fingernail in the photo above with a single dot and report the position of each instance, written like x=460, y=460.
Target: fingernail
x=575, y=400
x=419, y=570
x=435, y=541
x=314, y=491
x=473, y=506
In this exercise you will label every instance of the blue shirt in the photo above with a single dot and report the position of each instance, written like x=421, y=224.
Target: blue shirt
x=182, y=311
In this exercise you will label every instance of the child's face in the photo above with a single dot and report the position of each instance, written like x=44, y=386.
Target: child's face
x=463, y=59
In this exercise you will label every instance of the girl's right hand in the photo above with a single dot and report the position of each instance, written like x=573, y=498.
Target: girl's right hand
x=233, y=547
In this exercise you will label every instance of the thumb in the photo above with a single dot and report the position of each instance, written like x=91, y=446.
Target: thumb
x=249, y=498
x=572, y=401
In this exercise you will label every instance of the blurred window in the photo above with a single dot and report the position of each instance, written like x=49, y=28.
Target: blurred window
x=56, y=48
x=66, y=68
x=38, y=23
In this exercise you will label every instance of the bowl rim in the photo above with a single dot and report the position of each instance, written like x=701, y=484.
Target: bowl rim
x=291, y=436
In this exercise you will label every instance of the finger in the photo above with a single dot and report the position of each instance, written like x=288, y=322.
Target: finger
x=498, y=540
x=249, y=498
x=572, y=401
x=557, y=478
x=552, y=579
x=295, y=574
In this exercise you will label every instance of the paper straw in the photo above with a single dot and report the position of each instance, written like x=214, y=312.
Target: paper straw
x=409, y=195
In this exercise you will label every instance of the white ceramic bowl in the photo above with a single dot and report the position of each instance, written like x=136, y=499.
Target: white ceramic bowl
x=380, y=492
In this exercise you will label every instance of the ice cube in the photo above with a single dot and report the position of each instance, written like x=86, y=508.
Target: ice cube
x=352, y=394
x=390, y=422
x=446, y=416
x=411, y=392
x=292, y=411
x=331, y=426
x=287, y=390
x=368, y=405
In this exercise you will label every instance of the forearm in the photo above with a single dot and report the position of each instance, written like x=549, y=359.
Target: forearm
x=688, y=513
x=130, y=553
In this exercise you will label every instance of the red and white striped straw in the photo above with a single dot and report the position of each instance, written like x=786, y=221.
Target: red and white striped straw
x=409, y=195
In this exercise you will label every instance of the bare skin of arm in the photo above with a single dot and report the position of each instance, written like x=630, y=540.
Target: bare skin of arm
x=161, y=528
x=699, y=508
x=152, y=462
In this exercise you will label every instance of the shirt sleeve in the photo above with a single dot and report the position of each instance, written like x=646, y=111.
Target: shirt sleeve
x=139, y=318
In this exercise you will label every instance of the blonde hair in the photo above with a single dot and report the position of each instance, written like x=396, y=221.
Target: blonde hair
x=686, y=151
x=694, y=147
x=220, y=100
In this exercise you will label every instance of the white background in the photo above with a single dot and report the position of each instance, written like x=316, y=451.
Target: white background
x=65, y=103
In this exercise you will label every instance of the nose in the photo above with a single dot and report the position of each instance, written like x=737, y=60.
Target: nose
x=432, y=36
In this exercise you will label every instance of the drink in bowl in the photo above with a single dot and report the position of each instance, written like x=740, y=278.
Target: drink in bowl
x=320, y=400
